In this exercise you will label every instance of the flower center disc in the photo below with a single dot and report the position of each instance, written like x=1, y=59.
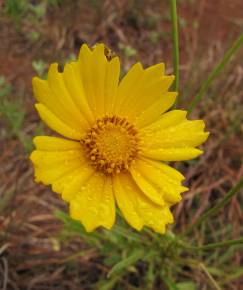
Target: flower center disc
x=111, y=144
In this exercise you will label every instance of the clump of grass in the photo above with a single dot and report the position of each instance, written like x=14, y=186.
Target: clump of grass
x=16, y=8
x=28, y=15
x=13, y=113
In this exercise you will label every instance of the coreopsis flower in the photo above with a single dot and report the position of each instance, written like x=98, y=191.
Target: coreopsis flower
x=117, y=137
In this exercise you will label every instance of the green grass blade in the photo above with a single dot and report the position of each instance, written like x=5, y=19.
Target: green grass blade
x=230, y=277
x=213, y=246
x=173, y=12
x=129, y=261
x=170, y=284
x=216, y=71
x=214, y=210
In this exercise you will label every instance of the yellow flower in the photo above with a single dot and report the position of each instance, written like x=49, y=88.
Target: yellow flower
x=116, y=135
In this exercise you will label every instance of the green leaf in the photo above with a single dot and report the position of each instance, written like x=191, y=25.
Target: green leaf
x=170, y=284
x=129, y=261
x=189, y=285
x=108, y=285
x=237, y=274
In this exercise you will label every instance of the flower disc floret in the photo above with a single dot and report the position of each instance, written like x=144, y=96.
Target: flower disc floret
x=111, y=144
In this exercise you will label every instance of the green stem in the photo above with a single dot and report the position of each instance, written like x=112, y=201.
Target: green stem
x=173, y=12
x=215, y=72
x=217, y=207
x=215, y=245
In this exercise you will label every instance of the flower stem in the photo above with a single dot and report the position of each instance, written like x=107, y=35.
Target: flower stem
x=173, y=14
x=215, y=72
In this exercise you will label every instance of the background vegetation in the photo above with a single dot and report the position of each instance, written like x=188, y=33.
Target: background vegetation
x=40, y=246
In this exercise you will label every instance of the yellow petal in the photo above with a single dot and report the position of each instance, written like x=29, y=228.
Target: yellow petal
x=57, y=85
x=150, y=81
x=186, y=134
x=161, y=177
x=67, y=179
x=74, y=85
x=62, y=164
x=165, y=121
x=94, y=204
x=48, y=175
x=50, y=158
x=156, y=71
x=93, y=65
x=137, y=209
x=149, y=92
x=55, y=158
x=172, y=154
x=127, y=202
x=128, y=85
x=85, y=61
x=153, y=112
x=73, y=187
x=172, y=174
x=146, y=187
x=111, y=84
x=48, y=143
x=99, y=75
x=54, y=95
x=140, y=89
x=46, y=96
x=56, y=124
x=173, y=142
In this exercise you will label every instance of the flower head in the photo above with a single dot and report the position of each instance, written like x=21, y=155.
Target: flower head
x=116, y=133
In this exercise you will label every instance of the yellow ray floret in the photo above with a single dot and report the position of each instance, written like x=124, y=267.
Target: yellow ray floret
x=117, y=133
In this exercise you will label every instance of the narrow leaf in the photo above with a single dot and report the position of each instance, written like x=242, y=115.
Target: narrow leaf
x=213, y=246
x=219, y=244
x=214, y=210
x=131, y=260
x=175, y=43
x=215, y=72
